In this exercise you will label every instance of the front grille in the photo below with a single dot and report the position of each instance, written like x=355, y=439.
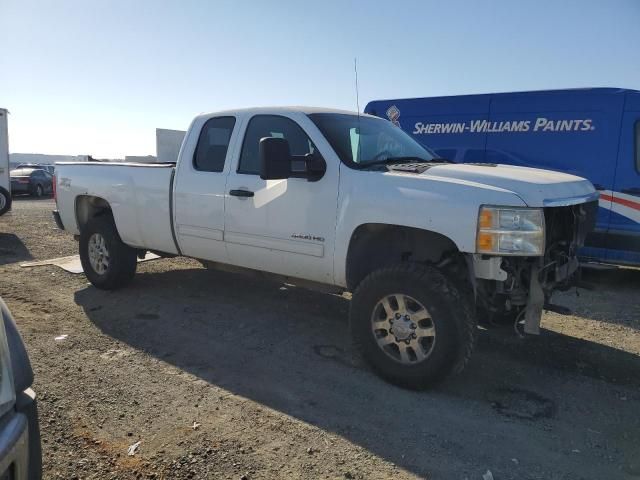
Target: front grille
x=569, y=226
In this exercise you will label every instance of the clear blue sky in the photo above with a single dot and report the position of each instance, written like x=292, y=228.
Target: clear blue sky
x=97, y=77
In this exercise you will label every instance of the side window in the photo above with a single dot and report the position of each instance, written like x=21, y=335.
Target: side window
x=213, y=144
x=637, y=145
x=262, y=126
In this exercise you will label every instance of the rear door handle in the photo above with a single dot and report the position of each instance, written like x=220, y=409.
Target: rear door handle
x=241, y=193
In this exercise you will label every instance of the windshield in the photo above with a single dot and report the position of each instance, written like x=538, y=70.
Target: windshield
x=364, y=140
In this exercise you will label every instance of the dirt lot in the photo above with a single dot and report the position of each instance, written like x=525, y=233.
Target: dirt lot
x=221, y=376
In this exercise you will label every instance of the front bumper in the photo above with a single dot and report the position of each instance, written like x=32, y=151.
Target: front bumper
x=20, y=188
x=20, y=449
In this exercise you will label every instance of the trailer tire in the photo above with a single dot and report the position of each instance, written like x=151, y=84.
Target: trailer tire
x=107, y=261
x=5, y=201
x=435, y=328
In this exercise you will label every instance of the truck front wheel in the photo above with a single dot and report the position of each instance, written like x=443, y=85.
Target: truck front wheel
x=107, y=262
x=412, y=325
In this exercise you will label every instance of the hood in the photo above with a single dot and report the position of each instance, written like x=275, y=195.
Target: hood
x=536, y=187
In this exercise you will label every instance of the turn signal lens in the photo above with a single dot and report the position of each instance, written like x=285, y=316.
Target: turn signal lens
x=485, y=221
x=485, y=241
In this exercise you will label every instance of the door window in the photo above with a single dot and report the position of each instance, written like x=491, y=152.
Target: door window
x=262, y=126
x=213, y=144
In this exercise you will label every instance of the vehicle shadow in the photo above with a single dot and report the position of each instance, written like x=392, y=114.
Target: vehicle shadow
x=611, y=300
x=12, y=249
x=26, y=196
x=288, y=348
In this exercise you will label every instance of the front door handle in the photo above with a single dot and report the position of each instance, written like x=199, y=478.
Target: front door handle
x=241, y=193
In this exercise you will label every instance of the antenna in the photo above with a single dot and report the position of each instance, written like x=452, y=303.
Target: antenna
x=355, y=69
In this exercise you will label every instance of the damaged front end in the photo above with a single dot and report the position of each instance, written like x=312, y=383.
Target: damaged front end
x=518, y=288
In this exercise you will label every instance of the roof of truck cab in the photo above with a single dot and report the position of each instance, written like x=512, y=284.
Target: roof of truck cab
x=280, y=110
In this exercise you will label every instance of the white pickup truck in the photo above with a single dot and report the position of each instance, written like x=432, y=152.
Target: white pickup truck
x=333, y=198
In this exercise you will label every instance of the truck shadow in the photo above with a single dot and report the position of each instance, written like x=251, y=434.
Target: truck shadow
x=287, y=348
x=612, y=300
x=12, y=249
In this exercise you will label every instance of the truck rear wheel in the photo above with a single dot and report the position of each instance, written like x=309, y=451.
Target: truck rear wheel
x=412, y=325
x=5, y=201
x=107, y=262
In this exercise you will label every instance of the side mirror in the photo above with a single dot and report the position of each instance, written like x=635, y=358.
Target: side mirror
x=275, y=158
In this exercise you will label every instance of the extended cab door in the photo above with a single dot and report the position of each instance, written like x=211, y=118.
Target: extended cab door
x=282, y=226
x=200, y=185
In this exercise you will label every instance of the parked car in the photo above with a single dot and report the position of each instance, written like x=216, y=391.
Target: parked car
x=34, y=181
x=349, y=201
x=20, y=448
x=589, y=132
x=46, y=167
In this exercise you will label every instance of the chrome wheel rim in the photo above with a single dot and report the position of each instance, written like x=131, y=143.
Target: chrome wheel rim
x=98, y=254
x=3, y=201
x=403, y=329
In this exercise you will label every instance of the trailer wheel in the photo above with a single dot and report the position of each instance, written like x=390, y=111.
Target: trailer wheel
x=107, y=262
x=5, y=201
x=412, y=325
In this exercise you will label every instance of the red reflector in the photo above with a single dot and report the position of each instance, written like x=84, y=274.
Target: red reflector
x=54, y=188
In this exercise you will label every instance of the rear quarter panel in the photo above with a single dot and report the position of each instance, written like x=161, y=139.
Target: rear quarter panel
x=137, y=194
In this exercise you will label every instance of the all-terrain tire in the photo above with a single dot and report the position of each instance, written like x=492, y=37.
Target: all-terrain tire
x=5, y=201
x=451, y=316
x=122, y=259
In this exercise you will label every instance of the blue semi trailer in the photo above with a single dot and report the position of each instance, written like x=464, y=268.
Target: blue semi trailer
x=593, y=133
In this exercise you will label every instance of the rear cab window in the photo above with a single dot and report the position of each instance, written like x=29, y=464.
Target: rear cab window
x=213, y=144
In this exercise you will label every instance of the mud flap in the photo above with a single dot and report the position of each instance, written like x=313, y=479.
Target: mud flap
x=535, y=303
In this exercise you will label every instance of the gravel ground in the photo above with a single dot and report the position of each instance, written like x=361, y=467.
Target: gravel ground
x=221, y=376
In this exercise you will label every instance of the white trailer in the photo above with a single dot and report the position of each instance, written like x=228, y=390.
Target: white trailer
x=5, y=183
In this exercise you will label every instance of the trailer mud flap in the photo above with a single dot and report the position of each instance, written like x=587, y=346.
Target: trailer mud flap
x=535, y=303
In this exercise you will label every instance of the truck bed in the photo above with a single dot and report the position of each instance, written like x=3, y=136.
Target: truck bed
x=139, y=195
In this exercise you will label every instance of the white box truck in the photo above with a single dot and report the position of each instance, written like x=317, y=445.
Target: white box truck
x=5, y=185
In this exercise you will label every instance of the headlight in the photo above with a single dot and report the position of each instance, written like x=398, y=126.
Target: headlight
x=510, y=231
x=7, y=390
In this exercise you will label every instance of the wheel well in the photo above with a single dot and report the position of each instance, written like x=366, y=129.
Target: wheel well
x=88, y=206
x=376, y=245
